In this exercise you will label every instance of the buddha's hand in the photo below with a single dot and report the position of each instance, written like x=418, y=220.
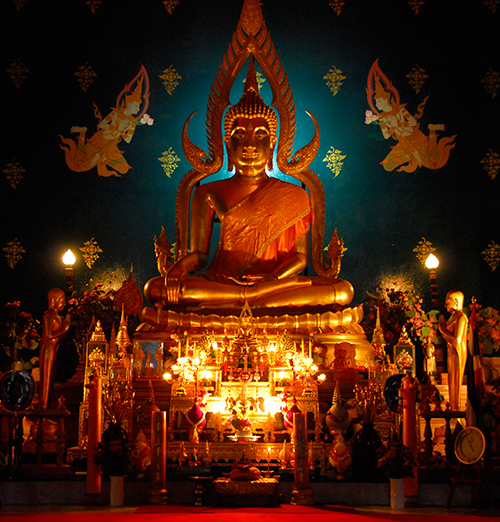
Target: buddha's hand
x=174, y=283
x=251, y=279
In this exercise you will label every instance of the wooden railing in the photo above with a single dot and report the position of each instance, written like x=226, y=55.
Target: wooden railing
x=15, y=435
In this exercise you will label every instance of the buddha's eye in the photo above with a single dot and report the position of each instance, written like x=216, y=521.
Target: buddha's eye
x=238, y=134
x=261, y=134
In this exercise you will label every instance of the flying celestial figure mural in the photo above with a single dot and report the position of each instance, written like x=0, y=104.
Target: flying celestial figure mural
x=414, y=148
x=101, y=150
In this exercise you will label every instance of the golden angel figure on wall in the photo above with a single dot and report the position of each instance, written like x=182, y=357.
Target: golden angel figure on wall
x=101, y=150
x=413, y=148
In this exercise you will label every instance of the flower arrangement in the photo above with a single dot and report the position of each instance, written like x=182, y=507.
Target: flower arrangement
x=489, y=413
x=399, y=306
x=113, y=452
x=368, y=401
x=488, y=326
x=397, y=459
x=19, y=335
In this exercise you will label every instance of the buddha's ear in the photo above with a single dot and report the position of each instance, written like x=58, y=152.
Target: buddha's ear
x=230, y=164
x=269, y=163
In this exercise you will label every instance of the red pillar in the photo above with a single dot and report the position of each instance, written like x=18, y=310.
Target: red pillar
x=409, y=388
x=302, y=493
x=93, y=485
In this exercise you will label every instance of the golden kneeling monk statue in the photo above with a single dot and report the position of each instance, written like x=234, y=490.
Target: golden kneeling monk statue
x=264, y=222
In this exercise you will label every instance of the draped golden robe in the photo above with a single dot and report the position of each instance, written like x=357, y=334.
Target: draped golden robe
x=257, y=233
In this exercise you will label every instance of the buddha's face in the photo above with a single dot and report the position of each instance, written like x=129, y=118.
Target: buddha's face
x=250, y=145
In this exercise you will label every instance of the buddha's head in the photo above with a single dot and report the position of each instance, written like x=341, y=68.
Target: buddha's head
x=454, y=300
x=250, y=130
x=56, y=299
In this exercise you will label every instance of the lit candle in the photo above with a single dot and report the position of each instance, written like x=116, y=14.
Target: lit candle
x=310, y=349
x=69, y=260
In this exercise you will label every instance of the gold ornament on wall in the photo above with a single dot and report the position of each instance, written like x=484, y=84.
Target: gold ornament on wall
x=19, y=3
x=14, y=173
x=14, y=252
x=492, y=255
x=416, y=78
x=85, y=76
x=94, y=4
x=416, y=5
x=334, y=79
x=491, y=82
x=18, y=73
x=491, y=163
x=491, y=5
x=334, y=161
x=423, y=249
x=170, y=77
x=169, y=161
x=337, y=6
x=170, y=5
x=90, y=252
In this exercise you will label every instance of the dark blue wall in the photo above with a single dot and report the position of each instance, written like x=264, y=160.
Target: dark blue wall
x=381, y=215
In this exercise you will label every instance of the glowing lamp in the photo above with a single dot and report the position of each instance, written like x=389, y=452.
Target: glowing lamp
x=432, y=262
x=69, y=260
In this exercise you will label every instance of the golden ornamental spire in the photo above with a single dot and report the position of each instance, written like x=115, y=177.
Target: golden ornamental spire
x=122, y=337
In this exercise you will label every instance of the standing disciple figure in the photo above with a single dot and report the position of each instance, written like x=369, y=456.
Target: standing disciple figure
x=454, y=332
x=54, y=327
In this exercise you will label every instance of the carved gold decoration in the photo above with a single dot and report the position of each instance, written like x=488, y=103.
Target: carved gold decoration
x=85, y=76
x=334, y=79
x=14, y=252
x=90, y=251
x=14, y=173
x=18, y=73
x=334, y=161
x=170, y=77
x=416, y=78
x=492, y=255
x=423, y=249
x=94, y=4
x=491, y=82
x=169, y=161
x=491, y=163
x=491, y=5
x=19, y=3
x=416, y=5
x=337, y=6
x=129, y=297
x=170, y=5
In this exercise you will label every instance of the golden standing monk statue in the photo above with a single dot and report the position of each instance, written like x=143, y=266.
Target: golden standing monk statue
x=54, y=327
x=265, y=222
x=454, y=332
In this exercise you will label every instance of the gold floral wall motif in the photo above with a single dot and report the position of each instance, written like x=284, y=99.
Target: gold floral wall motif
x=416, y=5
x=18, y=73
x=14, y=173
x=491, y=5
x=416, y=78
x=94, y=4
x=85, y=76
x=491, y=82
x=492, y=255
x=19, y=3
x=170, y=77
x=14, y=252
x=90, y=252
x=337, y=6
x=169, y=161
x=334, y=161
x=423, y=249
x=170, y=5
x=491, y=163
x=334, y=79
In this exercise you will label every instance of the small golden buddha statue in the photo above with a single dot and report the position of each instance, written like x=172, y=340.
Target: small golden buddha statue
x=265, y=222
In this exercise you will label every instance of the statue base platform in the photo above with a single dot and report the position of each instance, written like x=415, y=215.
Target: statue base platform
x=330, y=328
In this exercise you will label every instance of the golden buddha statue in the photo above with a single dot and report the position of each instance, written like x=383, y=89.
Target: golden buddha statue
x=265, y=222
